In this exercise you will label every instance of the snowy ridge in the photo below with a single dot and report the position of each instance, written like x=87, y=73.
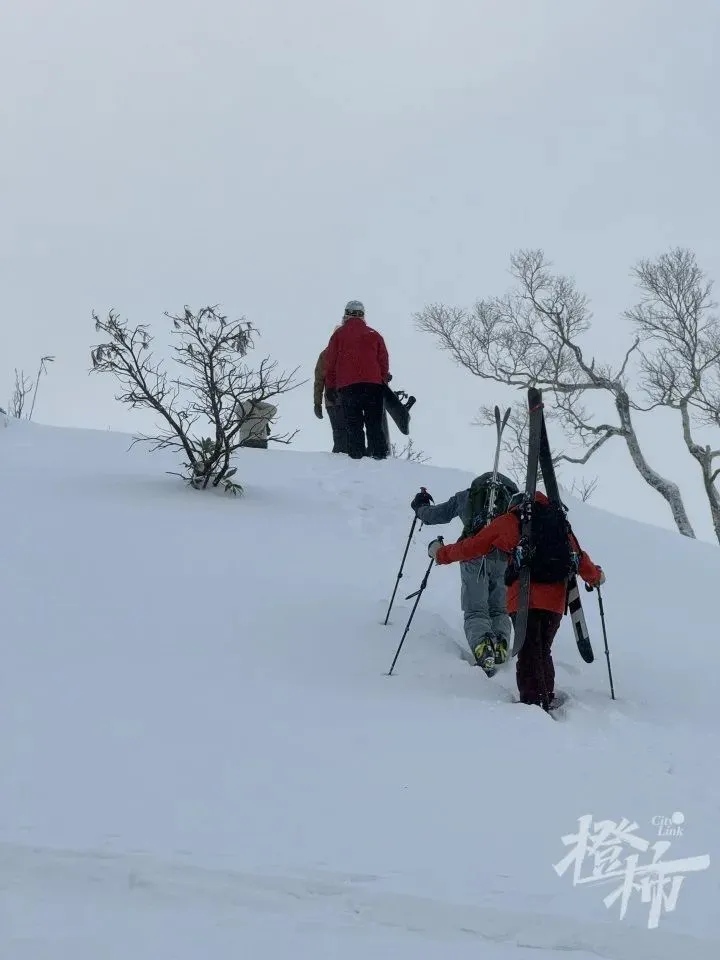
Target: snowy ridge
x=203, y=755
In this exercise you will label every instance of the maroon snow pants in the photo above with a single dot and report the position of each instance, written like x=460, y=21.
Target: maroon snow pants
x=535, y=670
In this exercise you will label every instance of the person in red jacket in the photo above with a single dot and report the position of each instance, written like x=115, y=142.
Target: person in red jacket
x=535, y=671
x=356, y=369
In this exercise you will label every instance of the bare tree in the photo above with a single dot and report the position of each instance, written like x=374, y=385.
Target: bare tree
x=408, y=452
x=21, y=391
x=681, y=336
x=514, y=445
x=583, y=489
x=214, y=386
x=24, y=387
x=532, y=337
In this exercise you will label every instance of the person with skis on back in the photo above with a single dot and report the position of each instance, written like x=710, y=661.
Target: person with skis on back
x=356, y=371
x=482, y=583
x=333, y=406
x=556, y=555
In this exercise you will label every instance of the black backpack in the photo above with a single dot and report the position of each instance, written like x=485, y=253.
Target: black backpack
x=551, y=558
x=475, y=516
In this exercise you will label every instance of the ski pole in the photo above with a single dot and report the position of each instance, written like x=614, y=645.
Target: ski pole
x=418, y=593
x=604, y=630
x=607, y=650
x=402, y=564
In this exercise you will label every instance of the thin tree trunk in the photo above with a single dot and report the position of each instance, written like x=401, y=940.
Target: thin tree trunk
x=713, y=499
x=668, y=490
x=704, y=458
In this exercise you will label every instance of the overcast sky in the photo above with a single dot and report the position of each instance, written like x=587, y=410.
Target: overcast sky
x=281, y=157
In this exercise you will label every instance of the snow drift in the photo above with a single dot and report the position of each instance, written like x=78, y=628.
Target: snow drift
x=202, y=754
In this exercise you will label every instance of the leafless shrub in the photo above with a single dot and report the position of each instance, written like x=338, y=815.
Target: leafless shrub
x=214, y=387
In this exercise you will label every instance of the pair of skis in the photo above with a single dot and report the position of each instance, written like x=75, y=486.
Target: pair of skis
x=539, y=455
x=500, y=424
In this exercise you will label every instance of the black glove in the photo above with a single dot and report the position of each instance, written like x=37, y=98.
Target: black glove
x=422, y=499
x=331, y=395
x=318, y=411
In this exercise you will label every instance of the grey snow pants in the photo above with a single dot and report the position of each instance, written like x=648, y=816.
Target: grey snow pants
x=482, y=598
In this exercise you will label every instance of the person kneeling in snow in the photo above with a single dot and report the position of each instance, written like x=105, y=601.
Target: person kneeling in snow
x=535, y=670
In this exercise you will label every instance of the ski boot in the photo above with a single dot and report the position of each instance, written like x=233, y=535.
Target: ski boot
x=501, y=650
x=485, y=655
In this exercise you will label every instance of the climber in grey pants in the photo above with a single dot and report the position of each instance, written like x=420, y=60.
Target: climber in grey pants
x=482, y=594
x=482, y=599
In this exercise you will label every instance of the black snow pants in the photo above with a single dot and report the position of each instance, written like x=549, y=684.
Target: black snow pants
x=363, y=407
x=535, y=670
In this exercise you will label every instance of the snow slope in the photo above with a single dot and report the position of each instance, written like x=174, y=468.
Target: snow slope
x=203, y=757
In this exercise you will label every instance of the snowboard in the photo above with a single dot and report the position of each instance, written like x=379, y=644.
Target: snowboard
x=397, y=404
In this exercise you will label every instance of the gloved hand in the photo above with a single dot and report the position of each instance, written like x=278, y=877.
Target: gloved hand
x=422, y=499
x=389, y=378
x=434, y=546
x=318, y=411
x=331, y=395
x=601, y=579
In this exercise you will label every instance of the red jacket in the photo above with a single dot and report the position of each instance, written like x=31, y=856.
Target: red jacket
x=355, y=354
x=504, y=534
